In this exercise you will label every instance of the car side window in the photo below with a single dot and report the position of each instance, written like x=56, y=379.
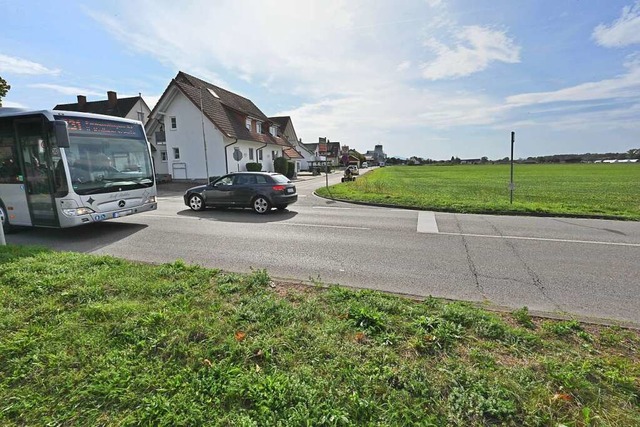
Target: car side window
x=261, y=179
x=227, y=180
x=241, y=180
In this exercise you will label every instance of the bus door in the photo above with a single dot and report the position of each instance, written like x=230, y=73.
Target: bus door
x=33, y=152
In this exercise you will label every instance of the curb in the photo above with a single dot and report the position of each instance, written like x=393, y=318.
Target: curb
x=502, y=213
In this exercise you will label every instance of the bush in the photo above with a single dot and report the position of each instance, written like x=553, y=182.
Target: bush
x=291, y=170
x=280, y=165
x=254, y=167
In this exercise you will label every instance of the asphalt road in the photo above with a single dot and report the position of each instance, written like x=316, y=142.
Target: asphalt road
x=584, y=268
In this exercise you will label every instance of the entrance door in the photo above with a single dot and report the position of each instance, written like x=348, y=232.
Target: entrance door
x=33, y=148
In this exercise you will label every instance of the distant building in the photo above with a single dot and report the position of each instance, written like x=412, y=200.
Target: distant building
x=376, y=156
x=133, y=108
x=325, y=150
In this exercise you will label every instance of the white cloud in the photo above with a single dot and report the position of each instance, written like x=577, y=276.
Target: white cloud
x=404, y=65
x=477, y=47
x=623, y=32
x=68, y=90
x=11, y=64
x=624, y=86
x=9, y=104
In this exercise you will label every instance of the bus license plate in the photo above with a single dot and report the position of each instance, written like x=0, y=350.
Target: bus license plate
x=122, y=213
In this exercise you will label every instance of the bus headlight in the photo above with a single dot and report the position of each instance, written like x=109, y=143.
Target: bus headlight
x=150, y=199
x=77, y=211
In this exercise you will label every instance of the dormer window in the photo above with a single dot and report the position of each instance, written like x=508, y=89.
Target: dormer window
x=247, y=123
x=259, y=127
x=273, y=130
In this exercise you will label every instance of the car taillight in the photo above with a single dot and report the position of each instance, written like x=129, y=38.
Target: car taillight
x=279, y=187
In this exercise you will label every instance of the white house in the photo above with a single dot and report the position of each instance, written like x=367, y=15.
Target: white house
x=294, y=150
x=200, y=130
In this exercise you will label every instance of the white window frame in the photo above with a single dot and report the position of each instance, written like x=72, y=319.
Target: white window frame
x=176, y=153
x=259, y=154
x=247, y=123
x=250, y=153
x=273, y=130
x=259, y=127
x=173, y=123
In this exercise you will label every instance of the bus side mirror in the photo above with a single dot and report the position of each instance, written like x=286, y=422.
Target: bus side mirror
x=61, y=133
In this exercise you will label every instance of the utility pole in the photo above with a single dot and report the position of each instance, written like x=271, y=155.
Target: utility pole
x=204, y=140
x=511, y=184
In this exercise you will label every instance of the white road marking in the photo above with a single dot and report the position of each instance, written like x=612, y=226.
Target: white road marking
x=274, y=223
x=544, y=239
x=427, y=222
x=321, y=226
x=329, y=207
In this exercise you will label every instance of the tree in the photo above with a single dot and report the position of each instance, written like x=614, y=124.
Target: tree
x=4, y=88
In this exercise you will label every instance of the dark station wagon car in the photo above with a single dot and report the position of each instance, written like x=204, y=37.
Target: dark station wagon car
x=259, y=191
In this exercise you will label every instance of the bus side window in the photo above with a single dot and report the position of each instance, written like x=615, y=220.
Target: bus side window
x=9, y=170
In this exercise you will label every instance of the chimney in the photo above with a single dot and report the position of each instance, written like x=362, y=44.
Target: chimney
x=112, y=99
x=82, y=102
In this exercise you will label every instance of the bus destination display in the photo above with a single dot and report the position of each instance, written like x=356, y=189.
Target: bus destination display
x=103, y=127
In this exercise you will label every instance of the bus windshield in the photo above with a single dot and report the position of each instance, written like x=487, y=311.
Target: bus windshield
x=106, y=163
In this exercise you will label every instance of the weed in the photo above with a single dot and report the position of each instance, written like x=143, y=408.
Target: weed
x=523, y=318
x=562, y=328
x=366, y=318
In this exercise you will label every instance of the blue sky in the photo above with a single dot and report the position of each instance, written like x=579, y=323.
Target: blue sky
x=431, y=78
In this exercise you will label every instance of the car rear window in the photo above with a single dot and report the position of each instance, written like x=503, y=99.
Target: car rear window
x=280, y=179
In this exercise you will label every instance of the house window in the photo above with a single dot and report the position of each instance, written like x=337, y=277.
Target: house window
x=247, y=123
x=163, y=156
x=250, y=153
x=259, y=127
x=174, y=123
x=140, y=116
x=273, y=130
x=176, y=153
x=274, y=154
x=259, y=152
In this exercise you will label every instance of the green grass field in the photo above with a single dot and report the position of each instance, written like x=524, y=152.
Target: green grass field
x=88, y=340
x=601, y=190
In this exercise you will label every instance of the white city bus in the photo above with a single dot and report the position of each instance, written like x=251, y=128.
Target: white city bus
x=63, y=169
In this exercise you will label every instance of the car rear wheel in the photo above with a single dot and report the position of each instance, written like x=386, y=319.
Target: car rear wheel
x=261, y=205
x=196, y=202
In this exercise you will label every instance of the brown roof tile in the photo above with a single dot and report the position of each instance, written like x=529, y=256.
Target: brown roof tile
x=228, y=111
x=122, y=108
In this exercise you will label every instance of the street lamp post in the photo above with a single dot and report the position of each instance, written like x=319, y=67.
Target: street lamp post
x=511, y=185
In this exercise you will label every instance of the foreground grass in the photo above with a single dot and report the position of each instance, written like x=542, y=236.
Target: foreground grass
x=87, y=340
x=607, y=190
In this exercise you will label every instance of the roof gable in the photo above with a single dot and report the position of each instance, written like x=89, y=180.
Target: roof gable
x=121, y=109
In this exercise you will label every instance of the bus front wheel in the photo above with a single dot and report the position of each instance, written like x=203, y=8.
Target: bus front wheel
x=4, y=218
